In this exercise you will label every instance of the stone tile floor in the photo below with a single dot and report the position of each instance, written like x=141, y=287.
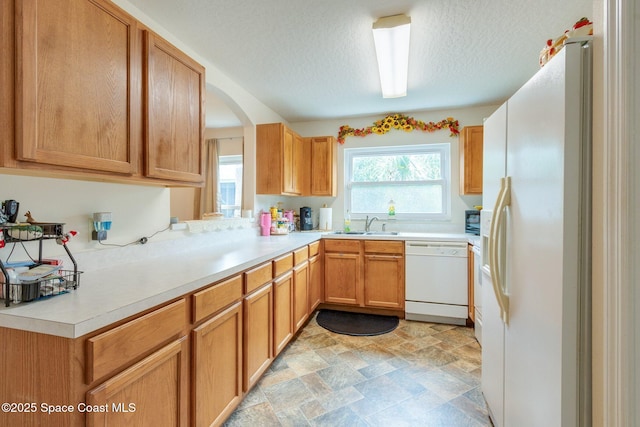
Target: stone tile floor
x=421, y=374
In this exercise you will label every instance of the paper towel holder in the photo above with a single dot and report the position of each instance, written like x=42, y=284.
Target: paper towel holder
x=325, y=218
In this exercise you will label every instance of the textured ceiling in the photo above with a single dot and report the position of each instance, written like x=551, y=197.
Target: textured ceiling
x=309, y=60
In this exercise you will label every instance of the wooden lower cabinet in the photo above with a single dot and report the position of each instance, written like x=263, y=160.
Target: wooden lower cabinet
x=154, y=391
x=365, y=273
x=282, y=312
x=300, y=295
x=189, y=362
x=384, y=281
x=217, y=367
x=258, y=334
x=384, y=274
x=315, y=282
x=342, y=278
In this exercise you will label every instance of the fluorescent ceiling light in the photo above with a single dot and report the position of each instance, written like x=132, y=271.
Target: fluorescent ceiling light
x=391, y=37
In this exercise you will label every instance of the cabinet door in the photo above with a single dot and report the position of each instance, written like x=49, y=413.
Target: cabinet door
x=288, y=162
x=217, y=367
x=315, y=282
x=471, y=145
x=78, y=93
x=279, y=160
x=269, y=158
x=174, y=88
x=324, y=168
x=298, y=164
x=342, y=278
x=151, y=392
x=300, y=295
x=258, y=334
x=384, y=281
x=292, y=162
x=282, y=312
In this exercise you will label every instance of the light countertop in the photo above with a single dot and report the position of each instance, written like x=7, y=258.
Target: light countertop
x=437, y=237
x=118, y=283
x=124, y=288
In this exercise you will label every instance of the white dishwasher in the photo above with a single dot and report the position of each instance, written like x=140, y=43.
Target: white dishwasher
x=436, y=282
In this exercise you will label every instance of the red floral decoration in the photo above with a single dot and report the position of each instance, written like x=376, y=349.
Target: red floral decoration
x=401, y=122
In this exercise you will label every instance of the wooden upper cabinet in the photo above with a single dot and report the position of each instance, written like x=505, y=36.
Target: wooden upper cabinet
x=77, y=81
x=291, y=165
x=324, y=169
x=471, y=140
x=289, y=178
x=279, y=159
x=174, y=110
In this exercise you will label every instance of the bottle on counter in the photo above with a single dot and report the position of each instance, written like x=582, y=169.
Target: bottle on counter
x=347, y=222
x=391, y=213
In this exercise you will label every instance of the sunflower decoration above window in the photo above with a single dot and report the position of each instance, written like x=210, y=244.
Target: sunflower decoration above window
x=400, y=122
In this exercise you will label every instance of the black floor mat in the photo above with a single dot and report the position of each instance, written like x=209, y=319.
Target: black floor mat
x=360, y=324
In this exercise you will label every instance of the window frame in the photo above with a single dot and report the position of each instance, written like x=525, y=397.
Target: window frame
x=443, y=149
x=234, y=159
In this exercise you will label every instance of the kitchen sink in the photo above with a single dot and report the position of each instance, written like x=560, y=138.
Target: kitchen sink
x=367, y=233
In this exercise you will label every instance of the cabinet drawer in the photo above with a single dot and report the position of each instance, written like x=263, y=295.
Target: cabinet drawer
x=314, y=248
x=282, y=264
x=383, y=247
x=126, y=343
x=216, y=297
x=300, y=255
x=337, y=245
x=257, y=277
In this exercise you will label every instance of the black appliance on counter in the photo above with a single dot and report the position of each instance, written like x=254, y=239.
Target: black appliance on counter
x=10, y=210
x=306, y=220
x=472, y=222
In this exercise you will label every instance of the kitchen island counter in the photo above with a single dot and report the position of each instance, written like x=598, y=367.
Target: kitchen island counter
x=124, y=282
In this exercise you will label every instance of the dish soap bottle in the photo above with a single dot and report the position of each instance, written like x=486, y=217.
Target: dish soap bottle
x=391, y=213
x=347, y=222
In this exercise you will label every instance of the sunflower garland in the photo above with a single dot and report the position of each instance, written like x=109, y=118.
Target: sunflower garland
x=400, y=122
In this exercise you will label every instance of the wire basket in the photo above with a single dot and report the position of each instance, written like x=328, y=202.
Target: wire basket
x=27, y=232
x=56, y=283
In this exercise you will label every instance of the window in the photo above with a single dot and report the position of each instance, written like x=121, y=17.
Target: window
x=415, y=177
x=230, y=185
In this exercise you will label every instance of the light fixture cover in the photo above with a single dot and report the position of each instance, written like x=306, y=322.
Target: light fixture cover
x=391, y=36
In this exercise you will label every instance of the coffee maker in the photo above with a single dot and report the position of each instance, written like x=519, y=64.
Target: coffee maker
x=306, y=219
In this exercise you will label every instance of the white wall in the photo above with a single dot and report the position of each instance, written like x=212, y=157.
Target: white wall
x=138, y=211
x=465, y=116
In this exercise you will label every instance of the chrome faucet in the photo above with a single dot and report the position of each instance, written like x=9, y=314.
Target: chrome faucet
x=367, y=223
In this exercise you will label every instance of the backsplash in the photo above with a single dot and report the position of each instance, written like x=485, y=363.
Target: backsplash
x=138, y=211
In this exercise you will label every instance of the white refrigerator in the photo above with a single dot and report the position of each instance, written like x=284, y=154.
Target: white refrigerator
x=536, y=237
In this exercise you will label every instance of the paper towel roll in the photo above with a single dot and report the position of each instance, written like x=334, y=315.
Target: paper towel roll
x=325, y=219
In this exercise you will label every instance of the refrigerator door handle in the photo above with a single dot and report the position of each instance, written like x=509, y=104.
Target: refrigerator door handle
x=496, y=250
